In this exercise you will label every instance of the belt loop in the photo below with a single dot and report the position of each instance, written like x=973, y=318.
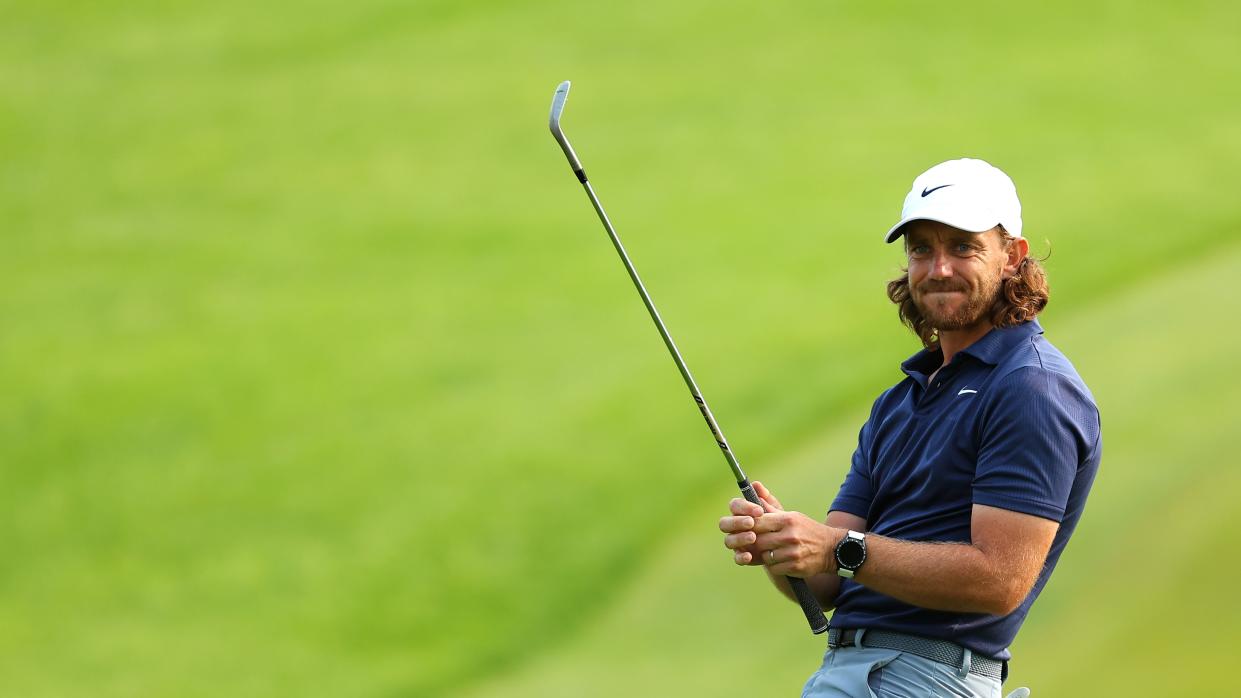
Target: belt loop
x=967, y=658
x=857, y=637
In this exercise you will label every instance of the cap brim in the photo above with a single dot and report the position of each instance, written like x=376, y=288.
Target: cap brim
x=955, y=221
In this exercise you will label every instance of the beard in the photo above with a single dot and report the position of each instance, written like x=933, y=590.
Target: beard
x=967, y=313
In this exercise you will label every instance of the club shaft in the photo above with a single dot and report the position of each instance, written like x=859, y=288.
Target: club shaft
x=663, y=332
x=805, y=598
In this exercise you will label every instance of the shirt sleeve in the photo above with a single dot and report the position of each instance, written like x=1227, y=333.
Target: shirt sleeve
x=856, y=492
x=1034, y=436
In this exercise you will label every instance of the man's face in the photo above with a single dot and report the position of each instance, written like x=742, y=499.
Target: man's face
x=954, y=275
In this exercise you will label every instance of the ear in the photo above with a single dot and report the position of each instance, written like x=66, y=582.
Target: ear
x=1017, y=252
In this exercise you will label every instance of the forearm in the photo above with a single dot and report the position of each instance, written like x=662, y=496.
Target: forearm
x=940, y=576
x=992, y=574
x=823, y=586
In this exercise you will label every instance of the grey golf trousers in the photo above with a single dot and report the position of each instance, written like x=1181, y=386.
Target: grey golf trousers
x=872, y=672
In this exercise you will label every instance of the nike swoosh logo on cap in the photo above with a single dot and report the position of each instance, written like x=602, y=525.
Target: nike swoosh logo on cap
x=926, y=191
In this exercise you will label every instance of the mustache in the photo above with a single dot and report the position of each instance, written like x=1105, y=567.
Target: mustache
x=941, y=286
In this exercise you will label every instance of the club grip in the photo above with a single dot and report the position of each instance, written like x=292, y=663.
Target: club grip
x=809, y=604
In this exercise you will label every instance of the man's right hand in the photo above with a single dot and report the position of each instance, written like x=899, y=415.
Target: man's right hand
x=738, y=527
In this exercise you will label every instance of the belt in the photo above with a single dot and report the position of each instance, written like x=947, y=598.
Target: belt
x=940, y=651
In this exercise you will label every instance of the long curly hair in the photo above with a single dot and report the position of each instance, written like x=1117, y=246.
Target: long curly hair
x=1021, y=297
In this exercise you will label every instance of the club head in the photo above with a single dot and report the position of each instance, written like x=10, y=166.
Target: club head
x=558, y=100
x=553, y=122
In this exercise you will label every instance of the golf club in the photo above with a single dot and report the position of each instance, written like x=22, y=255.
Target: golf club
x=809, y=604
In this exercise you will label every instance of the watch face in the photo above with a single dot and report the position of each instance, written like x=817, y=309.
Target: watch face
x=850, y=554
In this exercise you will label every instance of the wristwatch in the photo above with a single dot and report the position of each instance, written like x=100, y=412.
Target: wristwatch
x=850, y=554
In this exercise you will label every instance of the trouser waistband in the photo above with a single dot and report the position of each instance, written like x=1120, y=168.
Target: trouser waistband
x=940, y=651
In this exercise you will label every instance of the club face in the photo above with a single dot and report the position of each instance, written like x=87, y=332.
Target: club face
x=558, y=100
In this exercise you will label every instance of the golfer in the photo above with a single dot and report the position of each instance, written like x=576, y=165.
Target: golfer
x=969, y=476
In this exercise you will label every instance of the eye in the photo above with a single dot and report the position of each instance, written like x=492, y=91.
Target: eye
x=919, y=250
x=964, y=248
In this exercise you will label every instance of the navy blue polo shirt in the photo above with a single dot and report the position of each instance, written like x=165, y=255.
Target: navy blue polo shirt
x=1008, y=424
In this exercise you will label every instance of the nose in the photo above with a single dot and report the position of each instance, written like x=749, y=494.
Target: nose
x=941, y=265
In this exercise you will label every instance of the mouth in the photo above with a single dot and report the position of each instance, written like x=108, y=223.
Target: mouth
x=943, y=292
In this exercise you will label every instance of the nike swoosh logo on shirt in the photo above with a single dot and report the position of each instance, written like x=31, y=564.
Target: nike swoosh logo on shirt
x=966, y=390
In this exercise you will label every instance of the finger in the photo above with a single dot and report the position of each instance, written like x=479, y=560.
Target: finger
x=771, y=557
x=736, y=524
x=770, y=503
x=742, y=557
x=770, y=523
x=785, y=563
x=741, y=507
x=737, y=541
x=786, y=569
x=770, y=541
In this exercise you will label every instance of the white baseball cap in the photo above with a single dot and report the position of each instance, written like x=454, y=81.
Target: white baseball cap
x=969, y=194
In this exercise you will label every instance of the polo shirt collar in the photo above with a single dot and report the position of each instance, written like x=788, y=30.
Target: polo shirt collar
x=996, y=344
x=991, y=348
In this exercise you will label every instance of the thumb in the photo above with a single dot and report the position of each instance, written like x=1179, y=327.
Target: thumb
x=770, y=503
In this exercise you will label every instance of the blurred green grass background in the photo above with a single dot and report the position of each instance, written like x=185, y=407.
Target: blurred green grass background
x=319, y=377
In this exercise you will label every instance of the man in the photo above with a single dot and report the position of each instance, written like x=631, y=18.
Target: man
x=969, y=476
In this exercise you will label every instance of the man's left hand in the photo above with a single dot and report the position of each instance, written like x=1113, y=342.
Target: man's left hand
x=795, y=545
